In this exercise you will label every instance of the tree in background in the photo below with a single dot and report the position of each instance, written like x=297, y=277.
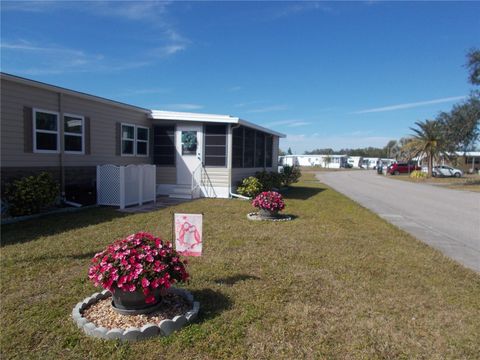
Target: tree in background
x=326, y=161
x=289, y=151
x=281, y=152
x=461, y=125
x=428, y=140
x=392, y=149
x=327, y=151
x=473, y=65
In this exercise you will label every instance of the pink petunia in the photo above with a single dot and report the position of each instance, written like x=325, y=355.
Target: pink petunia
x=145, y=283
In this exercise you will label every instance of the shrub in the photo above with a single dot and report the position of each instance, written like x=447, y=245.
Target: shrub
x=269, y=200
x=291, y=174
x=250, y=187
x=139, y=262
x=269, y=180
x=31, y=194
x=417, y=174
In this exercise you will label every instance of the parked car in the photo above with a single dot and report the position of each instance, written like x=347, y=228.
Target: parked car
x=402, y=168
x=446, y=171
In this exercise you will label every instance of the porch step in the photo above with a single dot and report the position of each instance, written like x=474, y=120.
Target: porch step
x=181, y=192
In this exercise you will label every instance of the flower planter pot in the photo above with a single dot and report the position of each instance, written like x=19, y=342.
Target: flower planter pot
x=133, y=303
x=267, y=214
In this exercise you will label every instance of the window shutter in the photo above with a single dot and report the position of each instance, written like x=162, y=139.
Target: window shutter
x=87, y=136
x=118, y=141
x=27, y=129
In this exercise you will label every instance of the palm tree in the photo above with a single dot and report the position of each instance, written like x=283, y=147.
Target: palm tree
x=428, y=140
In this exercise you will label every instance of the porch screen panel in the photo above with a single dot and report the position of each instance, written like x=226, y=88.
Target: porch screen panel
x=249, y=150
x=237, y=147
x=164, y=145
x=268, y=150
x=259, y=149
x=216, y=145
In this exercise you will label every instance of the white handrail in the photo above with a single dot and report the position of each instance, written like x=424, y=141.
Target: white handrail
x=195, y=181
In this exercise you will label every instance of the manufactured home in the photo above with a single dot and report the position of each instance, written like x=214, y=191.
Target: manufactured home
x=68, y=133
x=355, y=161
x=325, y=161
x=370, y=163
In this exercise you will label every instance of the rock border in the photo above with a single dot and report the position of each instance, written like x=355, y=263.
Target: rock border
x=164, y=328
x=255, y=217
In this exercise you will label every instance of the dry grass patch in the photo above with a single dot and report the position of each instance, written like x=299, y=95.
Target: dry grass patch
x=337, y=282
x=468, y=182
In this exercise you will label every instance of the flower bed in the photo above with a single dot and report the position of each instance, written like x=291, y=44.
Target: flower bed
x=140, y=263
x=270, y=201
x=95, y=317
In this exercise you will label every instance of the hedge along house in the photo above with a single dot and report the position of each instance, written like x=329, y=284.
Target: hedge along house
x=68, y=133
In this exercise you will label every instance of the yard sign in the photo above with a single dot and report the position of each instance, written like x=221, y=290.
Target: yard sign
x=188, y=234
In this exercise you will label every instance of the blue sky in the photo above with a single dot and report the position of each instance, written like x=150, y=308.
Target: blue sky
x=328, y=74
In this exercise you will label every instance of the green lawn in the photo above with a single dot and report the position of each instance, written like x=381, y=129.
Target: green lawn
x=336, y=283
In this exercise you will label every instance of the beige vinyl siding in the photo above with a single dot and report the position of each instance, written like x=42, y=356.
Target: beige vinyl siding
x=166, y=175
x=103, y=120
x=218, y=176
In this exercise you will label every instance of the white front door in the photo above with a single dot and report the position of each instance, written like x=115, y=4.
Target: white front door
x=189, y=140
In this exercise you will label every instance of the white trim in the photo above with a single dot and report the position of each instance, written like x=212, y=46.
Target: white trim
x=143, y=141
x=209, y=118
x=82, y=135
x=134, y=140
x=34, y=129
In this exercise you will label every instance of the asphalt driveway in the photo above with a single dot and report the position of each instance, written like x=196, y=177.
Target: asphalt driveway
x=446, y=219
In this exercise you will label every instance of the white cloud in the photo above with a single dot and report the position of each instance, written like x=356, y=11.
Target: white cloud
x=268, y=109
x=300, y=7
x=130, y=10
x=410, y=105
x=288, y=123
x=54, y=59
x=166, y=41
x=167, y=50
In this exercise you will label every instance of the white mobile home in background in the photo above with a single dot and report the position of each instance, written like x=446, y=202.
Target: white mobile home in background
x=370, y=162
x=325, y=161
x=355, y=161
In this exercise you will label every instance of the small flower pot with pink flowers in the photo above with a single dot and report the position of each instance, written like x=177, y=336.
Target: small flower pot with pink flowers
x=137, y=270
x=269, y=204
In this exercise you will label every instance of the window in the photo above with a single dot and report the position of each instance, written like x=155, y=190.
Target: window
x=73, y=133
x=134, y=140
x=189, y=143
x=142, y=141
x=259, y=149
x=128, y=139
x=45, y=131
x=216, y=145
x=164, y=145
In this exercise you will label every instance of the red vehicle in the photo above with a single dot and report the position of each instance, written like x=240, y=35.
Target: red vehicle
x=402, y=168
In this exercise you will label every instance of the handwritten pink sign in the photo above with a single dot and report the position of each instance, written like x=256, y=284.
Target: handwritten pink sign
x=188, y=234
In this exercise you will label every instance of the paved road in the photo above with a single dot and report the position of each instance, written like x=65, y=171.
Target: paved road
x=446, y=219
